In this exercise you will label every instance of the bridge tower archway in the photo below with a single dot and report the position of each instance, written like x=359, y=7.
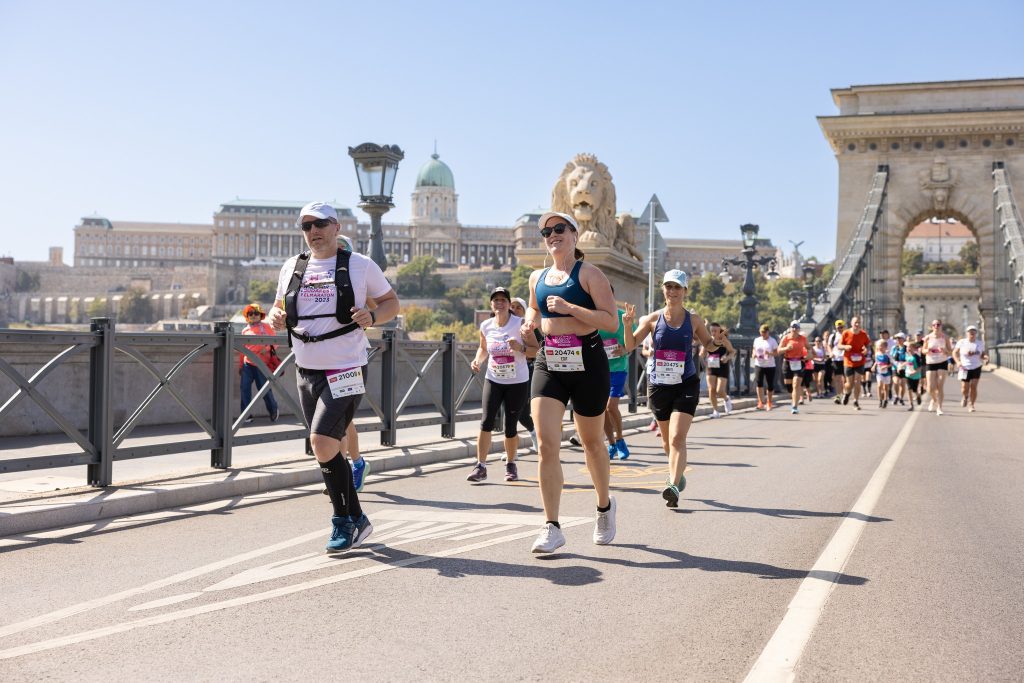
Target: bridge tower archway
x=938, y=143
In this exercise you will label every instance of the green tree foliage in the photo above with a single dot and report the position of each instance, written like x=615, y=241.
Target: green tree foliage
x=136, y=307
x=461, y=302
x=26, y=282
x=262, y=290
x=418, y=318
x=419, y=279
x=911, y=262
x=97, y=308
x=520, y=284
x=969, y=257
x=464, y=332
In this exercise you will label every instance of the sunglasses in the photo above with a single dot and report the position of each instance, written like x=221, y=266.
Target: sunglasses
x=558, y=229
x=318, y=223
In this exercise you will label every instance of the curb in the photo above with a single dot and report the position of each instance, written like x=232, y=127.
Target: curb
x=144, y=497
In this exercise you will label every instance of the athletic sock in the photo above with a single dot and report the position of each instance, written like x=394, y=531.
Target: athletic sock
x=606, y=508
x=337, y=475
x=557, y=525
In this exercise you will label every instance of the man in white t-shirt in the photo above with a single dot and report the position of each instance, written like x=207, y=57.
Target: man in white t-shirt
x=328, y=338
x=970, y=354
x=764, y=350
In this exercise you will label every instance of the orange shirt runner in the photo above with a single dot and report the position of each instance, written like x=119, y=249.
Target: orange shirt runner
x=860, y=344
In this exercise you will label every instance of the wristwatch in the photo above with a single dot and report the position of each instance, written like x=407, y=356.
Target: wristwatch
x=373, y=318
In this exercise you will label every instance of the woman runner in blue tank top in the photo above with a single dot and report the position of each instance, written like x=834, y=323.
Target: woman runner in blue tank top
x=570, y=301
x=674, y=387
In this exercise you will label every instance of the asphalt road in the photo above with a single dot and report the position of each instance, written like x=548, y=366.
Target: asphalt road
x=927, y=510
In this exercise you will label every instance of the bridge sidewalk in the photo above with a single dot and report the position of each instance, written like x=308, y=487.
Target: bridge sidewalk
x=273, y=466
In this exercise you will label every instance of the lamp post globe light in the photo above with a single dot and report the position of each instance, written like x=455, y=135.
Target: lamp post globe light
x=376, y=168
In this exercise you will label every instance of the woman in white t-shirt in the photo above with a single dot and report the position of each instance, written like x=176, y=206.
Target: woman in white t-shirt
x=970, y=354
x=764, y=350
x=507, y=381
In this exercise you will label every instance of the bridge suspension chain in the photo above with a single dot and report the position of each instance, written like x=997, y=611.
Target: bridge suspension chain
x=1011, y=227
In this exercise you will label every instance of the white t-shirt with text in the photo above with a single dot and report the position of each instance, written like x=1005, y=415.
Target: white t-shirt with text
x=970, y=353
x=763, y=352
x=317, y=296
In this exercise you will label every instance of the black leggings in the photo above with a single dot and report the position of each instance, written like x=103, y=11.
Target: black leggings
x=512, y=395
x=525, y=418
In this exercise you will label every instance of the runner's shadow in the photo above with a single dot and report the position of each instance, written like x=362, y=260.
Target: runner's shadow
x=719, y=464
x=450, y=504
x=676, y=559
x=783, y=513
x=458, y=567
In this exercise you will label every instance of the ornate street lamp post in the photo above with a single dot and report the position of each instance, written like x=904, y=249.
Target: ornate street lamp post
x=746, y=329
x=810, y=269
x=376, y=168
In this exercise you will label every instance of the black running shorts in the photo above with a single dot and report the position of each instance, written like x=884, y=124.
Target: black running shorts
x=325, y=415
x=765, y=378
x=588, y=390
x=665, y=399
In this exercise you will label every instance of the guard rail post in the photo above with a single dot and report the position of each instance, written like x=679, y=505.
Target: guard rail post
x=389, y=428
x=101, y=427
x=631, y=380
x=220, y=455
x=448, y=386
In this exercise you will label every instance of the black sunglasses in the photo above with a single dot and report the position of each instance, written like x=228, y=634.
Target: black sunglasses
x=318, y=223
x=558, y=229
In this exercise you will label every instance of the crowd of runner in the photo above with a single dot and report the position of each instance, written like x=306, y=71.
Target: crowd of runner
x=566, y=347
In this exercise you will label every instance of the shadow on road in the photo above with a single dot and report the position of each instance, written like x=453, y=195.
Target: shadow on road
x=677, y=559
x=450, y=504
x=783, y=513
x=460, y=567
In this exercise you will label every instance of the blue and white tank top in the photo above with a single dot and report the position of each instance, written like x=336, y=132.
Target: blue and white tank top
x=672, y=360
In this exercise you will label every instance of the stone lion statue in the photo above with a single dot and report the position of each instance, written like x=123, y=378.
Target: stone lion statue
x=585, y=191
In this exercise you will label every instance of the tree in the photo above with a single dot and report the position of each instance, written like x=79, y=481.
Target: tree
x=464, y=332
x=136, y=307
x=520, y=284
x=417, y=318
x=969, y=257
x=262, y=290
x=392, y=260
x=911, y=262
x=417, y=278
x=26, y=282
x=97, y=308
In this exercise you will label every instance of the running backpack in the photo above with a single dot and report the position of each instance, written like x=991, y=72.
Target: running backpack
x=345, y=298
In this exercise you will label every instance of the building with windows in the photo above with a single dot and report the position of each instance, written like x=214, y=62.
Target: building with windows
x=699, y=256
x=103, y=243
x=939, y=240
x=263, y=231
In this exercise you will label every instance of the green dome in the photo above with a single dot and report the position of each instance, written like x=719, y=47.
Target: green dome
x=435, y=173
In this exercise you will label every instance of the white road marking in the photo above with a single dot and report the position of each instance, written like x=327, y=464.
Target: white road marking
x=125, y=627
x=163, y=602
x=779, y=658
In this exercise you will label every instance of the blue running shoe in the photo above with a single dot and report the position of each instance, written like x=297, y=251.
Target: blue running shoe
x=622, y=448
x=612, y=452
x=363, y=529
x=341, y=535
x=360, y=470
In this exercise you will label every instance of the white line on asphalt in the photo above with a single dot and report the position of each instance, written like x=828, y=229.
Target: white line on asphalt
x=124, y=627
x=779, y=658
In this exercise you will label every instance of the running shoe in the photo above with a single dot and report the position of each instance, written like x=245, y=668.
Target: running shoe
x=846, y=399
x=856, y=405
x=511, y=472
x=885, y=403
x=363, y=529
x=248, y=419
x=549, y=540
x=880, y=403
x=534, y=442
x=479, y=473
x=671, y=495
x=612, y=451
x=794, y=410
x=715, y=415
x=838, y=399
x=931, y=406
x=971, y=409
x=938, y=411
x=575, y=440
x=604, y=525
x=728, y=405
x=622, y=449
x=274, y=415
x=911, y=406
x=653, y=426
x=360, y=468
x=963, y=403
x=342, y=532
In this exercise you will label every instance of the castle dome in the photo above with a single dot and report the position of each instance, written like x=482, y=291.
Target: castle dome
x=435, y=173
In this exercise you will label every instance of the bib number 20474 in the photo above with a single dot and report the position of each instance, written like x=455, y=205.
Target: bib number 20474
x=564, y=352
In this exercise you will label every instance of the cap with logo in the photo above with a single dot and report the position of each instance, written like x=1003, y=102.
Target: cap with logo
x=840, y=323
x=676, y=276
x=500, y=290
x=564, y=216
x=319, y=210
x=795, y=325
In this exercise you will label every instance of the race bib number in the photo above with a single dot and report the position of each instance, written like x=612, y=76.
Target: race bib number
x=503, y=367
x=882, y=368
x=345, y=382
x=856, y=357
x=610, y=347
x=714, y=362
x=669, y=366
x=564, y=353
x=796, y=365
x=962, y=375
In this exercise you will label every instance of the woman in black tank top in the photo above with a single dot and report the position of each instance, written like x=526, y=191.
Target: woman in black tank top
x=578, y=373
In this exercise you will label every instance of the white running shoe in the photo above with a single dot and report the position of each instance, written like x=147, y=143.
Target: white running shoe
x=715, y=414
x=938, y=411
x=534, y=448
x=604, y=526
x=728, y=405
x=931, y=406
x=549, y=540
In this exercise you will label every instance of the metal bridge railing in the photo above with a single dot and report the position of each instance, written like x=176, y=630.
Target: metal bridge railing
x=1009, y=355
x=102, y=442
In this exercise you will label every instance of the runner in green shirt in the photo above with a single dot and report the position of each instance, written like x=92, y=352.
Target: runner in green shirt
x=617, y=346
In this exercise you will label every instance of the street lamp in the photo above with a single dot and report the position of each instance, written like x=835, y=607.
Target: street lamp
x=871, y=316
x=810, y=269
x=921, y=309
x=376, y=168
x=749, y=260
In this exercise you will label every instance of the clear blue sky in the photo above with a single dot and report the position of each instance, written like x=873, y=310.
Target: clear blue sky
x=161, y=111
